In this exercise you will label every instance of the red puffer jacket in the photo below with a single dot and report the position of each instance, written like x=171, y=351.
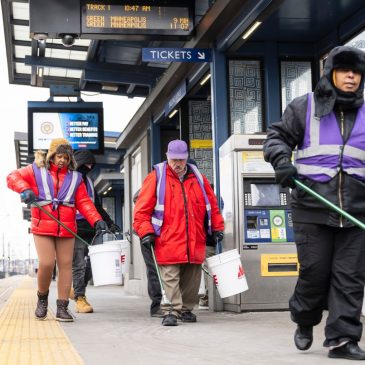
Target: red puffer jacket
x=183, y=233
x=42, y=224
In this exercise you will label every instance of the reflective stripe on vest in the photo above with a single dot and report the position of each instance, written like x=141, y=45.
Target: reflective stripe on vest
x=323, y=153
x=157, y=215
x=66, y=194
x=90, y=192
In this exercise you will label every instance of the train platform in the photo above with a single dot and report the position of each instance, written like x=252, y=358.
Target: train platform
x=120, y=331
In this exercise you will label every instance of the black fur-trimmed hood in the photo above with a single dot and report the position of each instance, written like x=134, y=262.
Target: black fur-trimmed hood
x=326, y=94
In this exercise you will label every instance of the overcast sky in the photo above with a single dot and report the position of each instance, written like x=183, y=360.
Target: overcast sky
x=13, y=117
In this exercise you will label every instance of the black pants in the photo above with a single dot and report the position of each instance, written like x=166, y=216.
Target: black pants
x=79, y=268
x=331, y=276
x=154, y=289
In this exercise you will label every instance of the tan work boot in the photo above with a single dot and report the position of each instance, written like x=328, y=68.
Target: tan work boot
x=83, y=306
x=72, y=294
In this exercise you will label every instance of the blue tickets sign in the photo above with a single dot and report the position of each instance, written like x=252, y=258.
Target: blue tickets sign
x=176, y=55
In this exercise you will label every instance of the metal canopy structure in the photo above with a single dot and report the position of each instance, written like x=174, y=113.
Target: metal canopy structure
x=115, y=66
x=110, y=66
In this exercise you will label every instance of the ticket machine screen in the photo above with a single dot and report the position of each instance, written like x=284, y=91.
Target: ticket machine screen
x=267, y=213
x=265, y=195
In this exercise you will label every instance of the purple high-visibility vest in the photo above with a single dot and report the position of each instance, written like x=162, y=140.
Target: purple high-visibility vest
x=323, y=153
x=66, y=194
x=157, y=215
x=90, y=192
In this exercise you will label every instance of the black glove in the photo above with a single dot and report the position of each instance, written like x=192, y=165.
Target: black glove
x=27, y=196
x=100, y=226
x=148, y=241
x=217, y=236
x=114, y=228
x=285, y=175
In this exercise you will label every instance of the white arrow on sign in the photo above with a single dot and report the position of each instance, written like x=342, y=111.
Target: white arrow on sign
x=201, y=55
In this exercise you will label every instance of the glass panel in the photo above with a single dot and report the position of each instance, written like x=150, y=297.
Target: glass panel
x=296, y=80
x=358, y=41
x=245, y=90
x=200, y=136
x=108, y=204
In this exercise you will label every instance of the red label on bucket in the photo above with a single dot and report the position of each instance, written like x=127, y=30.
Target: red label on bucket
x=215, y=279
x=241, y=272
x=122, y=259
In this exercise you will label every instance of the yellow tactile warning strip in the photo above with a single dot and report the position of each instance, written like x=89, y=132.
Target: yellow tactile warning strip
x=26, y=341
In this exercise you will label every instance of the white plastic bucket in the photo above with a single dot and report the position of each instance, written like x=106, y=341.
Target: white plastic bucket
x=228, y=273
x=125, y=255
x=105, y=263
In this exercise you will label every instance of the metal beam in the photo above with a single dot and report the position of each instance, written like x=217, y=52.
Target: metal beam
x=121, y=77
x=93, y=66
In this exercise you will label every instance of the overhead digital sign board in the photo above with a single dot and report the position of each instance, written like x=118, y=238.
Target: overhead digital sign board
x=137, y=17
x=80, y=123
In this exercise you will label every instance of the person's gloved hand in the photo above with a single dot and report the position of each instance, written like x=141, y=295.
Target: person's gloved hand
x=27, y=196
x=218, y=236
x=148, y=241
x=285, y=175
x=114, y=228
x=100, y=226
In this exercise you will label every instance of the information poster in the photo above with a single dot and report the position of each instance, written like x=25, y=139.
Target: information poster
x=80, y=129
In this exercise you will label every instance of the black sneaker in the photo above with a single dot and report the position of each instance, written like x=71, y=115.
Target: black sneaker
x=303, y=337
x=63, y=314
x=169, y=320
x=188, y=317
x=42, y=304
x=350, y=351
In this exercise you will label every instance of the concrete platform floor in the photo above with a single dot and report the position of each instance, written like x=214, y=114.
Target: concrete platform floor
x=120, y=331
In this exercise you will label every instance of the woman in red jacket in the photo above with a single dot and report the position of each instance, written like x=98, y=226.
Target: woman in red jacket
x=53, y=183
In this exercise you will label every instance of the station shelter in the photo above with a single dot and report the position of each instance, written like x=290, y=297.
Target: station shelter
x=261, y=54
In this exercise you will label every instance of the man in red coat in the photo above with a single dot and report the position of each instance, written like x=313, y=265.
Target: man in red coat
x=175, y=210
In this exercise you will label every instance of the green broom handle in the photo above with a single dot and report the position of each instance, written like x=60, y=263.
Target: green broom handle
x=59, y=222
x=329, y=204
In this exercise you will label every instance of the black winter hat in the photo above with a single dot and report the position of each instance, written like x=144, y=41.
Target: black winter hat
x=84, y=157
x=345, y=57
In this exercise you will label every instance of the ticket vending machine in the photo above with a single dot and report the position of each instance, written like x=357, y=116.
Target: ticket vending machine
x=258, y=223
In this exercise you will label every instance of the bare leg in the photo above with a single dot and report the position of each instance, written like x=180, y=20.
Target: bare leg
x=45, y=246
x=64, y=256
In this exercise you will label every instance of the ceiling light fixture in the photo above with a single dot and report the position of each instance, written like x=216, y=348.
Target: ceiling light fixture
x=109, y=87
x=206, y=78
x=251, y=29
x=173, y=113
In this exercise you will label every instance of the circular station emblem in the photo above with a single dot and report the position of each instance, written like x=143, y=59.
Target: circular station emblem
x=277, y=220
x=47, y=128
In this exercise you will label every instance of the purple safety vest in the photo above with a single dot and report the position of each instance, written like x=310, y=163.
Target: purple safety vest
x=66, y=194
x=157, y=215
x=323, y=153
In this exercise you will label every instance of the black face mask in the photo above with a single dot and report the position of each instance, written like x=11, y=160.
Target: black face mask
x=84, y=169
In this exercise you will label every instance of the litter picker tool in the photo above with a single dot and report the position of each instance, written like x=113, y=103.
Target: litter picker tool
x=164, y=300
x=59, y=222
x=329, y=204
